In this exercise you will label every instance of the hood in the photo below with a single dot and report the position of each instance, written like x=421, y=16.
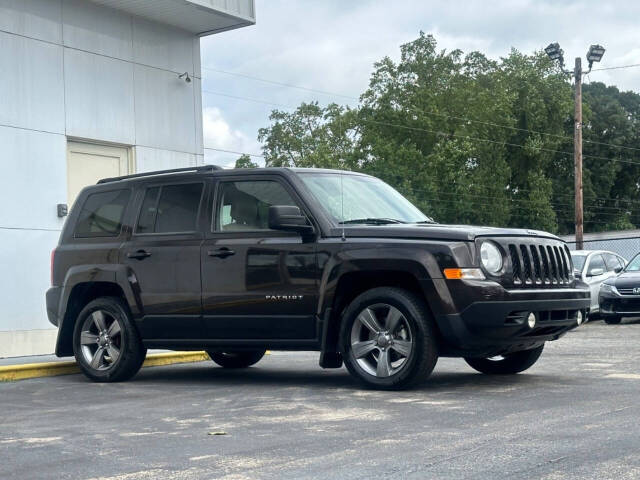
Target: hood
x=436, y=231
x=626, y=280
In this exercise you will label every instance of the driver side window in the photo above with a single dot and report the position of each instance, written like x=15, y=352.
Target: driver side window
x=244, y=205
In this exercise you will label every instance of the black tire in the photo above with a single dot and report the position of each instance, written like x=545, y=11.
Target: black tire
x=236, y=359
x=131, y=350
x=510, y=364
x=418, y=365
x=613, y=320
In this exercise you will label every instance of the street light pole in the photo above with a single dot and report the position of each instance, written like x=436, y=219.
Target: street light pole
x=577, y=154
x=594, y=54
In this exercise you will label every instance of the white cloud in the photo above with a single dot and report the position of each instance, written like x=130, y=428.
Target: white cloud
x=219, y=135
x=332, y=45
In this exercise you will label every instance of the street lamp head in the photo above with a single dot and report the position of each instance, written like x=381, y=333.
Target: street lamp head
x=555, y=52
x=595, y=53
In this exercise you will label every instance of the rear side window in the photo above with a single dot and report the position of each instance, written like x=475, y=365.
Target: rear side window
x=170, y=209
x=101, y=214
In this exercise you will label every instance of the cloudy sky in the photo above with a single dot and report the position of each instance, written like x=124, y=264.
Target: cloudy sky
x=331, y=45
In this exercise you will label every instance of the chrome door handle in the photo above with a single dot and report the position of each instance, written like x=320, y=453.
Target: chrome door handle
x=223, y=252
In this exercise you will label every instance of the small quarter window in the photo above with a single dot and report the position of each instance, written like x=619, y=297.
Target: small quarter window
x=170, y=209
x=101, y=214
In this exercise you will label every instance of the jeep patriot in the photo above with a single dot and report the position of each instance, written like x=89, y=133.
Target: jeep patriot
x=236, y=262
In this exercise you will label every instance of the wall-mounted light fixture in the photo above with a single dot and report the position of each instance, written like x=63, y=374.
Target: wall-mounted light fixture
x=185, y=76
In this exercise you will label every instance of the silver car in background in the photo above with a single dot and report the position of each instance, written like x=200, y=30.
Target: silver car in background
x=593, y=267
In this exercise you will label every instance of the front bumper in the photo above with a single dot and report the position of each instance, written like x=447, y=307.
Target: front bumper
x=496, y=324
x=613, y=304
x=53, y=304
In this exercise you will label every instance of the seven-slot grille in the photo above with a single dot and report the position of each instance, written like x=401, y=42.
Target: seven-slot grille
x=543, y=263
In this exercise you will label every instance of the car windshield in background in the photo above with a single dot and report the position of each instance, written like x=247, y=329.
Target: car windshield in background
x=353, y=199
x=578, y=262
x=634, y=264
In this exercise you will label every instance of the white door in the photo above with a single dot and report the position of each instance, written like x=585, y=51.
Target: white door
x=87, y=163
x=595, y=272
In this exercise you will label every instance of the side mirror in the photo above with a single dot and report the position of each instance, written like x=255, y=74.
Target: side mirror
x=617, y=269
x=286, y=217
x=595, y=272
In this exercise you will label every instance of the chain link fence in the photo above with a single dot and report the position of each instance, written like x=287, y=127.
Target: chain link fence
x=628, y=247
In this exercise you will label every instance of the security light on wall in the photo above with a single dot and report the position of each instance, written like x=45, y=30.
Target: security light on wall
x=185, y=76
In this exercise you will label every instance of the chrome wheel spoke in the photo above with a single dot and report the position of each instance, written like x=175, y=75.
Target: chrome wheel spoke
x=114, y=353
x=98, y=319
x=368, y=319
x=88, y=338
x=393, y=319
x=384, y=364
x=114, y=329
x=403, y=347
x=361, y=349
x=98, y=357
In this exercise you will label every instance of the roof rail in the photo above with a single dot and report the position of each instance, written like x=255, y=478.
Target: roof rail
x=203, y=168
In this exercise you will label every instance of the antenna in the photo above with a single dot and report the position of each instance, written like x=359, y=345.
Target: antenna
x=344, y=238
x=342, y=203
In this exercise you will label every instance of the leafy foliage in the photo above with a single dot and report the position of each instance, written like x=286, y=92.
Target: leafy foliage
x=473, y=140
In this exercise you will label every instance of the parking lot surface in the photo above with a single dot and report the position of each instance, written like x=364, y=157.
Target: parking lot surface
x=575, y=414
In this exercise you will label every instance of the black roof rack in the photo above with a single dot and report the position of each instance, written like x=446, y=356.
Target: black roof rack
x=203, y=168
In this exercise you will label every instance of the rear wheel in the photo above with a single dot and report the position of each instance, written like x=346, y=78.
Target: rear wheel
x=106, y=344
x=614, y=320
x=236, y=359
x=387, y=339
x=506, y=364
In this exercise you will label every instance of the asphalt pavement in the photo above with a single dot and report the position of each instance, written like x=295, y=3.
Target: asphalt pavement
x=574, y=415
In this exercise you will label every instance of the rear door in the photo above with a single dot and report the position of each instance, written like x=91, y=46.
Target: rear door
x=258, y=284
x=164, y=256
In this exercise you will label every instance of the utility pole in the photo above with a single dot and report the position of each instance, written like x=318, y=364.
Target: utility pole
x=577, y=154
x=594, y=54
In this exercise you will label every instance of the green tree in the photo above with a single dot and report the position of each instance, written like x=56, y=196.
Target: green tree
x=245, y=162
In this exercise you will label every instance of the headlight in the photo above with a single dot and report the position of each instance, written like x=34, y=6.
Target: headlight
x=491, y=258
x=605, y=287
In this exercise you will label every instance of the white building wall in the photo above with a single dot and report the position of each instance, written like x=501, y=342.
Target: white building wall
x=72, y=69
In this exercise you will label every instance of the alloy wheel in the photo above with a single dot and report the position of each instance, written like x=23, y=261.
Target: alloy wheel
x=101, y=340
x=381, y=340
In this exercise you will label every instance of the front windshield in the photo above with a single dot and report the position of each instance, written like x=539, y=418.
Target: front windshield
x=366, y=199
x=634, y=264
x=578, y=262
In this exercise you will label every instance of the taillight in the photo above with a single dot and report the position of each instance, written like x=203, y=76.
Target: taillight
x=53, y=256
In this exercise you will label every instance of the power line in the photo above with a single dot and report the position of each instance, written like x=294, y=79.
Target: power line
x=465, y=119
x=616, y=68
x=281, y=84
x=233, y=151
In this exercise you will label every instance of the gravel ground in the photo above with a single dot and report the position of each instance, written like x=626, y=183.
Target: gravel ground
x=574, y=415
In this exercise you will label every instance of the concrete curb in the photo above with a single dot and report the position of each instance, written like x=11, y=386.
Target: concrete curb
x=10, y=373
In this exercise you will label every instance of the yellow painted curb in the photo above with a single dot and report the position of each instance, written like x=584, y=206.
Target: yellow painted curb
x=9, y=373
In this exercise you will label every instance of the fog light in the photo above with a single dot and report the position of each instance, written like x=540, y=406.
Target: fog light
x=579, y=318
x=531, y=320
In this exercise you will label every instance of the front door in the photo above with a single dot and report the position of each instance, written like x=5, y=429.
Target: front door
x=164, y=256
x=258, y=284
x=596, y=273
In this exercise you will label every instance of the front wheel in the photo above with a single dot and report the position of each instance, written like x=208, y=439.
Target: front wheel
x=236, y=359
x=506, y=364
x=614, y=320
x=387, y=339
x=106, y=344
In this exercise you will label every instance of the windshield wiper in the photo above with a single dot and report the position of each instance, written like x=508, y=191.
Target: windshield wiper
x=372, y=221
x=426, y=221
